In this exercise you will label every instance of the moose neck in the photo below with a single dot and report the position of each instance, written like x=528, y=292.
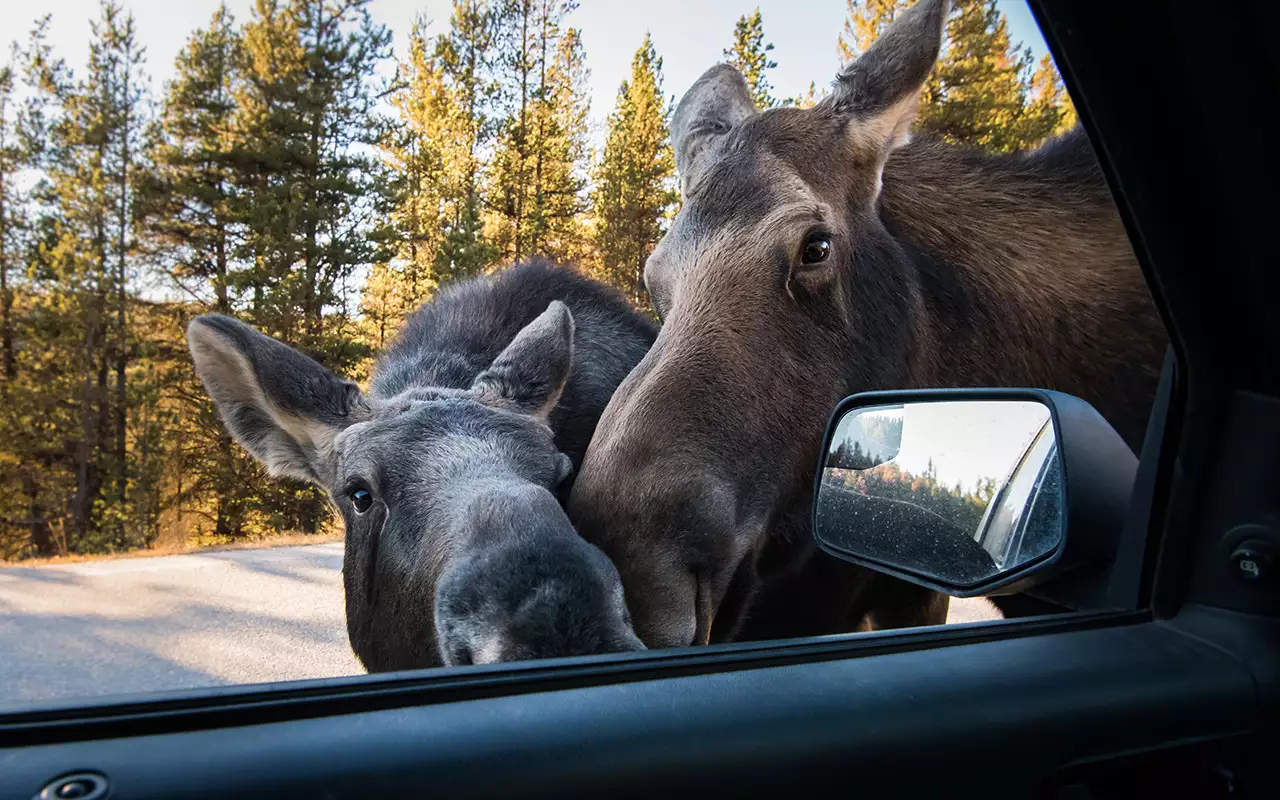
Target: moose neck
x=1025, y=275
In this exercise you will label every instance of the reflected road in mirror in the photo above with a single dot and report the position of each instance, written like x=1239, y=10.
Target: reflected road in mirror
x=953, y=491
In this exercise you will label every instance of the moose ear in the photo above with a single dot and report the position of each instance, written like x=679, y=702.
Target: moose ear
x=283, y=407
x=715, y=103
x=880, y=88
x=529, y=375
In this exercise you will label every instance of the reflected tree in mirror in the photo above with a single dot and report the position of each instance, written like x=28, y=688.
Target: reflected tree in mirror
x=956, y=492
x=863, y=441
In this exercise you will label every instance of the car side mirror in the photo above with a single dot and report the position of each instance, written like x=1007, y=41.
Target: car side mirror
x=971, y=492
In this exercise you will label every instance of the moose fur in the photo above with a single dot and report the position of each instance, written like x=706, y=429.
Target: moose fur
x=447, y=473
x=818, y=253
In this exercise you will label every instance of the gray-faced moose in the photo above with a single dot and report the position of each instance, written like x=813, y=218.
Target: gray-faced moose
x=457, y=548
x=819, y=253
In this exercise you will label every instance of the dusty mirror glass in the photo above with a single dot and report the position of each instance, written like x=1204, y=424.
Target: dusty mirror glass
x=956, y=492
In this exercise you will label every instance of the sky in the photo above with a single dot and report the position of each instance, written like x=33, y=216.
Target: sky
x=966, y=440
x=689, y=35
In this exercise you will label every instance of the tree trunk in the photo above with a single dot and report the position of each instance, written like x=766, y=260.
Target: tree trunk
x=41, y=535
x=223, y=306
x=313, y=507
x=535, y=245
x=179, y=468
x=104, y=416
x=83, y=500
x=259, y=296
x=93, y=405
x=313, y=302
x=230, y=518
x=122, y=334
x=6, y=297
x=522, y=128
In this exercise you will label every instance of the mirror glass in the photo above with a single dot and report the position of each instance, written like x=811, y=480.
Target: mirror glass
x=955, y=491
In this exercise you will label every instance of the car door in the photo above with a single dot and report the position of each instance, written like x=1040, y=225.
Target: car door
x=1175, y=691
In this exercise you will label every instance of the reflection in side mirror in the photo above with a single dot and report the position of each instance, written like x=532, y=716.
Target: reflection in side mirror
x=954, y=493
x=866, y=439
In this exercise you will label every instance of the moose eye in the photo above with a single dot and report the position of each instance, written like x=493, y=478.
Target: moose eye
x=361, y=499
x=816, y=250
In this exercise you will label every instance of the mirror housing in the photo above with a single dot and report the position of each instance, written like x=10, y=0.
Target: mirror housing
x=1096, y=471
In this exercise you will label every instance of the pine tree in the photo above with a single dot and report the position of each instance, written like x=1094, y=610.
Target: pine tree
x=37, y=466
x=982, y=93
x=415, y=151
x=308, y=127
x=517, y=27
x=465, y=56
x=310, y=110
x=190, y=202
x=80, y=400
x=634, y=191
x=11, y=224
x=1050, y=111
x=533, y=185
x=977, y=94
x=81, y=258
x=563, y=158
x=268, y=146
x=750, y=55
x=12, y=163
x=95, y=144
x=189, y=198
x=124, y=58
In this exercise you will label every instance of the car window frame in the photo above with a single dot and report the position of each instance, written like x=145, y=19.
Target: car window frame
x=1163, y=534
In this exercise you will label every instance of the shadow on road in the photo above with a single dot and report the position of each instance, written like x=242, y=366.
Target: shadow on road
x=95, y=630
x=302, y=566
x=92, y=631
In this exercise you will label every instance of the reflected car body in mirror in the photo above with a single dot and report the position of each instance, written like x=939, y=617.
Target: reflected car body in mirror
x=1024, y=523
x=969, y=492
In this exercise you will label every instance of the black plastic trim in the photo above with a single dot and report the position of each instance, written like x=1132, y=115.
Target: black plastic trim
x=265, y=703
x=903, y=723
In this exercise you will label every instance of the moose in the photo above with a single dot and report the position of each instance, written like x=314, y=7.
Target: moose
x=450, y=474
x=818, y=253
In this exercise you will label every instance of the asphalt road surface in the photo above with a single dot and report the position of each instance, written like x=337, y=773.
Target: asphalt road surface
x=91, y=629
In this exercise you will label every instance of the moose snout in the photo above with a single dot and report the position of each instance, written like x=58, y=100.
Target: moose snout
x=535, y=598
x=674, y=541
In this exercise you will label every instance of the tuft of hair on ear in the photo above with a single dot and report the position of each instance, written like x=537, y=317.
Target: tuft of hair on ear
x=880, y=89
x=529, y=375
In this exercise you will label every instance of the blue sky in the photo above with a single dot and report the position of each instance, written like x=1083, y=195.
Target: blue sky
x=967, y=441
x=690, y=35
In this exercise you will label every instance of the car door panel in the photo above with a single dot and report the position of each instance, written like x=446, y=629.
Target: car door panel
x=885, y=723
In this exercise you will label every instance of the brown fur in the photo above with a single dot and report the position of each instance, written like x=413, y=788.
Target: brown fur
x=950, y=268
x=1055, y=297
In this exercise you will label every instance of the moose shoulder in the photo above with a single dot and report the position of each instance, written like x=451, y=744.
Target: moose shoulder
x=447, y=473
x=819, y=253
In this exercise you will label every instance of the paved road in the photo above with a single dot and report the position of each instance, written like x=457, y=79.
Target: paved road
x=175, y=622
x=169, y=622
